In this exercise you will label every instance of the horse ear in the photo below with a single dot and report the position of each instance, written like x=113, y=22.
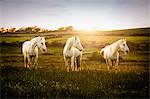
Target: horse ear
x=75, y=38
x=122, y=39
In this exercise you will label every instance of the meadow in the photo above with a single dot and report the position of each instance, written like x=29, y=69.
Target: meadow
x=93, y=81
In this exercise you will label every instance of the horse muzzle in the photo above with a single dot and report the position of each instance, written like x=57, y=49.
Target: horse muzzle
x=127, y=51
x=80, y=50
x=44, y=50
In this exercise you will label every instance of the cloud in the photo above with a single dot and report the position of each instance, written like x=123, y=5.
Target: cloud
x=33, y=7
x=74, y=11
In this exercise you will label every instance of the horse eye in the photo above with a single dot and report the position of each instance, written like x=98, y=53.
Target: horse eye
x=42, y=43
x=123, y=44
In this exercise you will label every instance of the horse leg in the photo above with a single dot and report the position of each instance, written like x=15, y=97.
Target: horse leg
x=25, y=61
x=29, y=62
x=35, y=62
x=32, y=61
x=116, y=64
x=66, y=63
x=72, y=62
x=117, y=61
x=107, y=62
x=78, y=62
x=75, y=64
x=110, y=63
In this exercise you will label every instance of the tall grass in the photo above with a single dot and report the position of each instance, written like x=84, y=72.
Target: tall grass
x=44, y=83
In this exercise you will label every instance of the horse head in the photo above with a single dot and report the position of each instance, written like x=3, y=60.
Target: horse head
x=123, y=46
x=77, y=43
x=41, y=44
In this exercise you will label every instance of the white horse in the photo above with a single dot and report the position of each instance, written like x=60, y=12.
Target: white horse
x=111, y=55
x=30, y=51
x=73, y=49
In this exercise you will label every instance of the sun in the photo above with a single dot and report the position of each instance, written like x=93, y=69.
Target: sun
x=85, y=28
x=90, y=29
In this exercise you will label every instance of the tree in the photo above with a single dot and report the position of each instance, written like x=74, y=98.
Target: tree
x=28, y=30
x=37, y=30
x=2, y=30
x=61, y=29
x=69, y=28
x=11, y=30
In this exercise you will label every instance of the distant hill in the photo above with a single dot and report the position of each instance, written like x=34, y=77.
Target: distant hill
x=125, y=32
x=129, y=32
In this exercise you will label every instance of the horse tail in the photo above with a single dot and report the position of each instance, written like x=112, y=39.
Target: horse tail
x=23, y=45
x=102, y=52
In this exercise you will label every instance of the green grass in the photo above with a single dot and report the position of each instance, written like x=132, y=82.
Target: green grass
x=84, y=38
x=52, y=80
x=44, y=83
x=14, y=39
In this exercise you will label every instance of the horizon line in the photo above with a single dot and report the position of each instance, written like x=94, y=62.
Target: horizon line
x=79, y=29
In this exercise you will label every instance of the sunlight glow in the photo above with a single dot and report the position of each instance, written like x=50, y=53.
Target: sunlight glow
x=85, y=28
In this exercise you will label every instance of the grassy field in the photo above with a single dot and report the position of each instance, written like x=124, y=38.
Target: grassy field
x=52, y=80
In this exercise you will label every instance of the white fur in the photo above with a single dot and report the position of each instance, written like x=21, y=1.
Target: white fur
x=30, y=50
x=73, y=49
x=110, y=52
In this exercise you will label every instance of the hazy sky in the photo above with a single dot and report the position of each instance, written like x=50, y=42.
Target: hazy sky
x=82, y=14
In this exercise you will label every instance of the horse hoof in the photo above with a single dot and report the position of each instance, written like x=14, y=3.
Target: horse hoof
x=116, y=72
x=35, y=68
x=68, y=70
x=109, y=71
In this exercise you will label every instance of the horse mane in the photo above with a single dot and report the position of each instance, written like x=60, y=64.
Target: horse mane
x=116, y=42
x=69, y=41
x=33, y=42
x=35, y=38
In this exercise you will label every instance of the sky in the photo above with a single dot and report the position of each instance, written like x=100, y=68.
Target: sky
x=81, y=14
